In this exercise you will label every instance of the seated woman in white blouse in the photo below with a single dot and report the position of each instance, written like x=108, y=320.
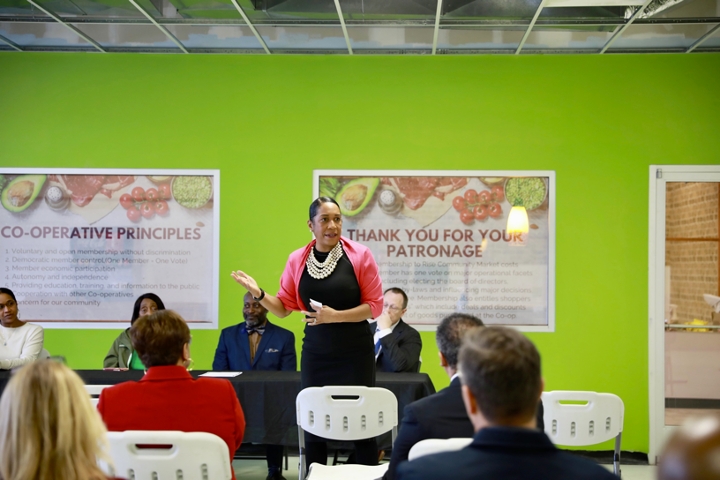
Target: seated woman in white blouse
x=20, y=342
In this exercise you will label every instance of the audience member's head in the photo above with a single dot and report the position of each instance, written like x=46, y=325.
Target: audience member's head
x=49, y=430
x=8, y=292
x=449, y=336
x=146, y=304
x=254, y=314
x=161, y=339
x=693, y=451
x=500, y=370
x=395, y=302
x=8, y=309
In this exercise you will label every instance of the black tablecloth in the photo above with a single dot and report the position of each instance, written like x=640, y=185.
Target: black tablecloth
x=268, y=398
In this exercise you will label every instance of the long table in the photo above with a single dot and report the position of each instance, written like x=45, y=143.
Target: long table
x=268, y=398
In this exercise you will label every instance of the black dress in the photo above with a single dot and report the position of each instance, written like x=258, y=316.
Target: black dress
x=336, y=353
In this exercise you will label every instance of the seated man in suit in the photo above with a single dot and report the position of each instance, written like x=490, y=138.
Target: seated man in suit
x=501, y=387
x=167, y=397
x=397, y=344
x=257, y=344
x=441, y=415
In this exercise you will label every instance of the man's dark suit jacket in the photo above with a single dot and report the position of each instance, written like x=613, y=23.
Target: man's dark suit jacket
x=505, y=453
x=276, y=350
x=400, y=350
x=441, y=415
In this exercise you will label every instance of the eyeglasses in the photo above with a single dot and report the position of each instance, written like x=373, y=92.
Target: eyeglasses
x=392, y=308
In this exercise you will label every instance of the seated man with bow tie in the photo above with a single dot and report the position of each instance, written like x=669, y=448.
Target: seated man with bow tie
x=257, y=344
x=397, y=344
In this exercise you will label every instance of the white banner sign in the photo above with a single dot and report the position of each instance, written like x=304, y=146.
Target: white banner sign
x=77, y=247
x=442, y=237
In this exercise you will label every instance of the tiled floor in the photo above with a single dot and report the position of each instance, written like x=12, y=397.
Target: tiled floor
x=257, y=470
x=676, y=416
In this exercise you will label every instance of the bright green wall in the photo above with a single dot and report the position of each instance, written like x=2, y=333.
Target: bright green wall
x=267, y=122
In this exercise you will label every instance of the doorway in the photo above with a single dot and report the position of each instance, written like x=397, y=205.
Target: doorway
x=684, y=297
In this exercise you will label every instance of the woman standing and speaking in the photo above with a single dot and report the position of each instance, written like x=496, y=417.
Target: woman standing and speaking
x=338, y=345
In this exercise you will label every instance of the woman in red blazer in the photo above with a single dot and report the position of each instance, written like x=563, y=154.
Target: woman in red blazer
x=167, y=397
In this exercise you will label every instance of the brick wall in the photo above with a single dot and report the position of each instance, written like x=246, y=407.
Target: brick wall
x=692, y=212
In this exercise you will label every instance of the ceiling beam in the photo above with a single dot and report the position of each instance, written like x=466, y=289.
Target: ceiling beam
x=703, y=38
x=530, y=27
x=162, y=29
x=252, y=27
x=437, y=25
x=11, y=43
x=617, y=34
x=344, y=28
x=68, y=26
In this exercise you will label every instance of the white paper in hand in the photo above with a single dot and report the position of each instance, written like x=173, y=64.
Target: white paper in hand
x=315, y=305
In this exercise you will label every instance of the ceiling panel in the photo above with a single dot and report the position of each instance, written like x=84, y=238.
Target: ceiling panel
x=383, y=11
x=216, y=37
x=569, y=38
x=391, y=38
x=18, y=7
x=683, y=9
x=207, y=9
x=102, y=8
x=480, y=38
x=373, y=26
x=713, y=41
x=659, y=36
x=304, y=38
x=127, y=36
x=42, y=35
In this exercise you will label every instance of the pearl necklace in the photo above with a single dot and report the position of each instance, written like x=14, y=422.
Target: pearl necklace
x=319, y=270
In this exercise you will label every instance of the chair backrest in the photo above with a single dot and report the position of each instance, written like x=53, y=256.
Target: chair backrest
x=346, y=413
x=94, y=392
x=437, y=445
x=185, y=455
x=591, y=417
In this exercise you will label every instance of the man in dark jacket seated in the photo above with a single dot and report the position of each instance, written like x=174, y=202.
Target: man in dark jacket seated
x=441, y=415
x=397, y=344
x=501, y=387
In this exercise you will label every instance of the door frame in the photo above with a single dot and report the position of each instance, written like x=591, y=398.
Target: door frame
x=659, y=176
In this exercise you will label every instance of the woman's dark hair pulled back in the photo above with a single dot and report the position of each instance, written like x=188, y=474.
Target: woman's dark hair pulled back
x=7, y=291
x=319, y=201
x=136, y=308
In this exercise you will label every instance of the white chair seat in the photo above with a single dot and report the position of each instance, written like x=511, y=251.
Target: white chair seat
x=319, y=471
x=430, y=446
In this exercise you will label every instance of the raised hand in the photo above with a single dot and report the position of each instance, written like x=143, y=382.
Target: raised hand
x=246, y=281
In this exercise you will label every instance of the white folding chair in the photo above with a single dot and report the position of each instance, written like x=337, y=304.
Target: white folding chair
x=94, y=392
x=345, y=413
x=591, y=418
x=169, y=455
x=437, y=445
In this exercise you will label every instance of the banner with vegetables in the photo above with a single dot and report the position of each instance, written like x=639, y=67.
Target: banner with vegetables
x=78, y=246
x=441, y=236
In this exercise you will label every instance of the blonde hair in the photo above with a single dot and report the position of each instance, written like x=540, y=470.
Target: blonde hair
x=49, y=430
